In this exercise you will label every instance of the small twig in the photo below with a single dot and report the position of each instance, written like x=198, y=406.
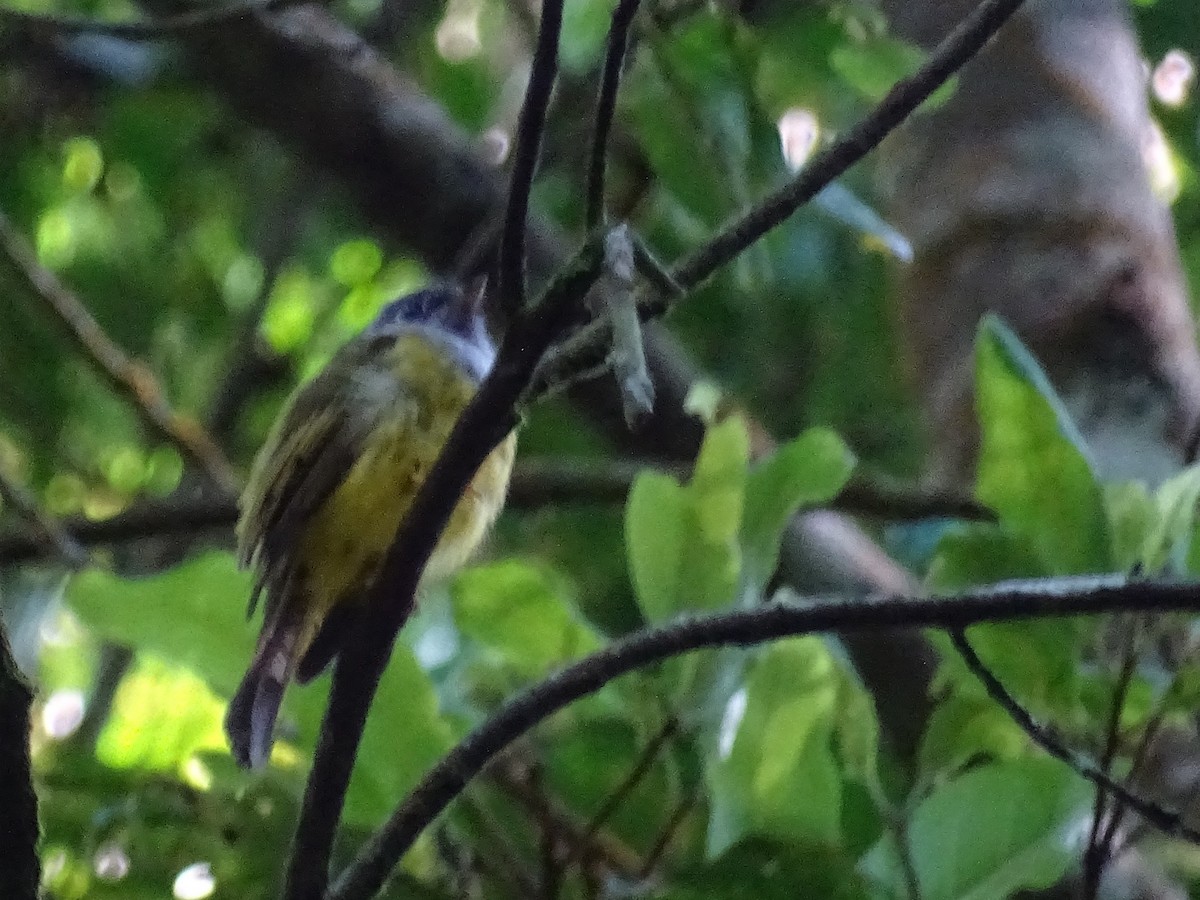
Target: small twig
x=1168, y=821
x=606, y=103
x=967, y=39
x=168, y=26
x=1097, y=853
x=508, y=858
x=129, y=378
x=600, y=847
x=667, y=833
x=633, y=777
x=50, y=534
x=1009, y=600
x=531, y=125
x=898, y=819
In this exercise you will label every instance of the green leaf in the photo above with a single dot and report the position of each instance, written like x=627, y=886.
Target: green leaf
x=774, y=773
x=872, y=68
x=1175, y=502
x=1132, y=515
x=682, y=540
x=518, y=611
x=811, y=469
x=193, y=615
x=1033, y=470
x=980, y=553
x=994, y=831
x=966, y=727
x=768, y=870
x=161, y=717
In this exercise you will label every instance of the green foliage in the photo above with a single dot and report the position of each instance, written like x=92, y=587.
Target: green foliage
x=176, y=222
x=1026, y=839
x=1033, y=469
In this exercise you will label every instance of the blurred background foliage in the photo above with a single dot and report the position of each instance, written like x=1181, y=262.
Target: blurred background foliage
x=197, y=242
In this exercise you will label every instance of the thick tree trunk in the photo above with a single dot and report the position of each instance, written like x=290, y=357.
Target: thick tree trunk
x=1027, y=194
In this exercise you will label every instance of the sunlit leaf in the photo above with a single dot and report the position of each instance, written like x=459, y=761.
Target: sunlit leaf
x=1033, y=469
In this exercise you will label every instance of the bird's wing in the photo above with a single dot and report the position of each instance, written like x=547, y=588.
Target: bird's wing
x=312, y=447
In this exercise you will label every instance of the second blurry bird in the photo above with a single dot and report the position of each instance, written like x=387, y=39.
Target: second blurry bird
x=333, y=481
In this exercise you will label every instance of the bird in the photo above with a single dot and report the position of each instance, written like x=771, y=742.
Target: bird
x=331, y=484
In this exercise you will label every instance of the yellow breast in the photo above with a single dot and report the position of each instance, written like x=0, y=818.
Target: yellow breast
x=345, y=541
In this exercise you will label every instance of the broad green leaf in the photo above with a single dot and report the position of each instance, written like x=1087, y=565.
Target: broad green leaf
x=1132, y=515
x=1037, y=660
x=1175, y=501
x=593, y=757
x=857, y=731
x=990, y=833
x=657, y=527
x=979, y=553
x=682, y=540
x=1033, y=470
x=193, y=615
x=758, y=869
x=774, y=773
x=161, y=717
x=874, y=67
x=808, y=470
x=967, y=726
x=518, y=611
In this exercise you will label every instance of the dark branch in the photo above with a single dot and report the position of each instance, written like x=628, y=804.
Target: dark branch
x=1006, y=601
x=1167, y=821
x=960, y=45
x=47, y=534
x=127, y=377
x=606, y=103
x=530, y=127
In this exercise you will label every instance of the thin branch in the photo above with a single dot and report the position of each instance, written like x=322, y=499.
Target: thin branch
x=668, y=832
x=530, y=127
x=967, y=39
x=633, y=777
x=50, y=536
x=146, y=518
x=536, y=483
x=166, y=27
x=1168, y=821
x=127, y=377
x=744, y=627
x=601, y=847
x=1097, y=854
x=606, y=103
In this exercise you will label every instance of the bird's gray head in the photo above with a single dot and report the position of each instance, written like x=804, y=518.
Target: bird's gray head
x=448, y=314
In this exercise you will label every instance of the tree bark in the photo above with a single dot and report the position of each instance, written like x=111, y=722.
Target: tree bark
x=1027, y=194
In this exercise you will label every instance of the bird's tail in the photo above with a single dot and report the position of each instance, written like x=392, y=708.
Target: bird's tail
x=250, y=720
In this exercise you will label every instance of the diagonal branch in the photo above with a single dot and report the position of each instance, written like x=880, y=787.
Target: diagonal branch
x=967, y=39
x=127, y=377
x=606, y=104
x=1005, y=601
x=531, y=126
